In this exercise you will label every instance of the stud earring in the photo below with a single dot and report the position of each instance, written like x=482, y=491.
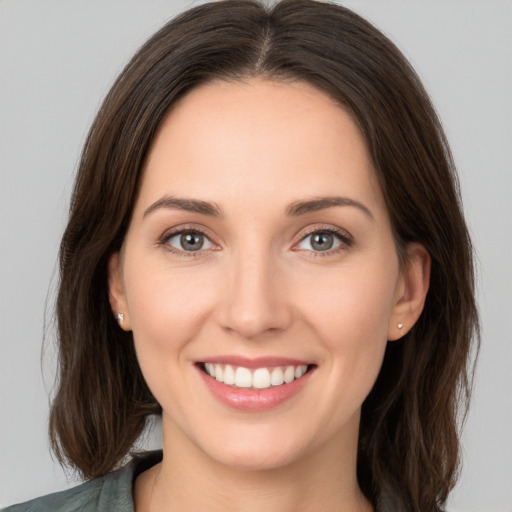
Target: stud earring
x=120, y=318
x=399, y=325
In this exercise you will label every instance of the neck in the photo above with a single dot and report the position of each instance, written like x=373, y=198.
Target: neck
x=188, y=479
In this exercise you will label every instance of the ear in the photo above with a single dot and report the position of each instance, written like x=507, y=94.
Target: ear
x=411, y=291
x=116, y=291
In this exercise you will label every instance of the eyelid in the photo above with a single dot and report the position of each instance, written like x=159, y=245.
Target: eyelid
x=179, y=230
x=345, y=238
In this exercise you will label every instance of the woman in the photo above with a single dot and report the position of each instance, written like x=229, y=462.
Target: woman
x=266, y=247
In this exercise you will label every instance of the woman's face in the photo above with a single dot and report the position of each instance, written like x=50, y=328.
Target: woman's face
x=260, y=247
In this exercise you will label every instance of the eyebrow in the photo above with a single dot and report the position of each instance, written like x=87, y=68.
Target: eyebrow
x=321, y=203
x=189, y=205
x=295, y=209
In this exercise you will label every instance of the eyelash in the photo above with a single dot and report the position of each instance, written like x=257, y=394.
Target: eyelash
x=171, y=234
x=346, y=241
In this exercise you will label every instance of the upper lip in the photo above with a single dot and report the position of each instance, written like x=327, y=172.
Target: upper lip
x=253, y=363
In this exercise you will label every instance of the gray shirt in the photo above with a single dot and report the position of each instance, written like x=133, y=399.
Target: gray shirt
x=114, y=492
x=110, y=493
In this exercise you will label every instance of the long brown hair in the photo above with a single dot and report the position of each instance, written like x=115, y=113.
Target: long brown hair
x=408, y=449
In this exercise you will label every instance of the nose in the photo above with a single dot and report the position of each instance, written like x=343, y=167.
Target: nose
x=255, y=300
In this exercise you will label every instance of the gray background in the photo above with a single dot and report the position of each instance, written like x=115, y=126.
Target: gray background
x=57, y=60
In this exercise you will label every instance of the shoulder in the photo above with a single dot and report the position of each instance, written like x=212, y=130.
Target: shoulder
x=105, y=493
x=112, y=492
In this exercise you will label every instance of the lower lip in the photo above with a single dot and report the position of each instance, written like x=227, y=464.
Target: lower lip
x=253, y=400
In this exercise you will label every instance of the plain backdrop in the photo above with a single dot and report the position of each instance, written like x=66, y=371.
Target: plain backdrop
x=57, y=61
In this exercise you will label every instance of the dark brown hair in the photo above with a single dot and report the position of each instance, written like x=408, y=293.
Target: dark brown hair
x=408, y=448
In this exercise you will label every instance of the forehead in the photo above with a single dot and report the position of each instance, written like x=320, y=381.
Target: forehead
x=227, y=140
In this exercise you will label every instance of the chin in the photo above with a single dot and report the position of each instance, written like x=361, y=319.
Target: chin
x=252, y=459
x=261, y=451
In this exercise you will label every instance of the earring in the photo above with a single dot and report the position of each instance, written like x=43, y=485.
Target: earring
x=120, y=318
x=399, y=325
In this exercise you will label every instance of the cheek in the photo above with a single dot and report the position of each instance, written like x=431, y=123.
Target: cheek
x=350, y=321
x=167, y=310
x=163, y=303
x=349, y=311
x=170, y=306
x=356, y=299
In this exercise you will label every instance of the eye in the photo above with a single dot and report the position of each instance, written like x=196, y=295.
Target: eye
x=323, y=240
x=188, y=241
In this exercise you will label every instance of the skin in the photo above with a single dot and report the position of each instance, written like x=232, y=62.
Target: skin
x=259, y=288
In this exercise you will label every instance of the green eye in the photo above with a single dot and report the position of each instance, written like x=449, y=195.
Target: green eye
x=324, y=240
x=189, y=241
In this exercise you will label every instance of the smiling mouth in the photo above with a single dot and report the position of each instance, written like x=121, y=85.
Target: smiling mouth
x=257, y=378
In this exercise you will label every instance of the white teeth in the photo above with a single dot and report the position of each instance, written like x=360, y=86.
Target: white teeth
x=289, y=374
x=229, y=375
x=210, y=369
x=300, y=371
x=276, y=377
x=243, y=378
x=260, y=378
